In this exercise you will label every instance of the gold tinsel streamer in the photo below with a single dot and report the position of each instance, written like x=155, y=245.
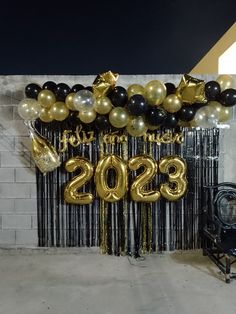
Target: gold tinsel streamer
x=125, y=209
x=103, y=209
x=150, y=222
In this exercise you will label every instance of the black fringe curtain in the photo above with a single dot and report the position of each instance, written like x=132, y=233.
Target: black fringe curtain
x=127, y=227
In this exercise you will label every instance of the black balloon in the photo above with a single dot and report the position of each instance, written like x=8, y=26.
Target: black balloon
x=155, y=116
x=186, y=113
x=118, y=96
x=76, y=88
x=228, y=97
x=102, y=123
x=62, y=90
x=90, y=88
x=32, y=90
x=137, y=105
x=50, y=85
x=73, y=119
x=171, y=120
x=212, y=90
x=170, y=88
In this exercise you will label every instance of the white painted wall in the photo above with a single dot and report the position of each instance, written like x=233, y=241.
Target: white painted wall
x=18, y=215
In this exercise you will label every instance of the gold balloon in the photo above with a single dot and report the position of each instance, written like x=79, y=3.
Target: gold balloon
x=136, y=126
x=176, y=169
x=103, y=105
x=107, y=193
x=225, y=81
x=70, y=101
x=119, y=117
x=29, y=109
x=71, y=193
x=224, y=113
x=155, y=92
x=183, y=124
x=46, y=98
x=45, y=115
x=172, y=103
x=87, y=116
x=138, y=190
x=59, y=111
x=43, y=152
x=135, y=89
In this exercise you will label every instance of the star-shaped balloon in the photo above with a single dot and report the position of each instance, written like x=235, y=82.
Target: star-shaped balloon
x=191, y=90
x=104, y=83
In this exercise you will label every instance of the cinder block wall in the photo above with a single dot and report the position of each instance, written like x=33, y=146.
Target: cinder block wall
x=18, y=214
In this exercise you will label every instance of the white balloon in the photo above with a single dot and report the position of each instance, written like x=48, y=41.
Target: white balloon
x=84, y=100
x=29, y=109
x=206, y=117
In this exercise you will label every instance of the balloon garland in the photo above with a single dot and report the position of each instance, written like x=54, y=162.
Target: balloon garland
x=137, y=109
x=105, y=106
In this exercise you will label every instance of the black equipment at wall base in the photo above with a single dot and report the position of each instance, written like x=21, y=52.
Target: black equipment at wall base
x=219, y=235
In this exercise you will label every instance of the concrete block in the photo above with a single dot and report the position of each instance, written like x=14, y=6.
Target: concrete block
x=27, y=237
x=14, y=190
x=7, y=206
x=25, y=206
x=6, y=113
x=33, y=191
x=34, y=222
x=16, y=115
x=16, y=221
x=13, y=128
x=7, y=143
x=7, y=237
x=15, y=159
x=7, y=175
x=25, y=175
x=22, y=143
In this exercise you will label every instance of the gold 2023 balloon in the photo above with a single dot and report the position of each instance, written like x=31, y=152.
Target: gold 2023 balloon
x=138, y=190
x=225, y=81
x=107, y=193
x=46, y=98
x=119, y=117
x=103, y=105
x=177, y=182
x=136, y=126
x=59, y=111
x=155, y=92
x=70, y=101
x=87, y=116
x=29, y=109
x=45, y=115
x=71, y=193
x=172, y=103
x=135, y=89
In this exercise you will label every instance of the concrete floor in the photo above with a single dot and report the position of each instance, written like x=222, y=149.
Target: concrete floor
x=36, y=282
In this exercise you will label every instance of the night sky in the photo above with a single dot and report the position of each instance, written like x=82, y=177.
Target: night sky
x=128, y=37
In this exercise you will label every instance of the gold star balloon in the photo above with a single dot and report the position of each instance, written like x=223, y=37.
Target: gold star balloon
x=104, y=83
x=191, y=90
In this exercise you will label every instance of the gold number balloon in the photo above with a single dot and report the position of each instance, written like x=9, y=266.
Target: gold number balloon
x=137, y=190
x=71, y=193
x=176, y=169
x=106, y=192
